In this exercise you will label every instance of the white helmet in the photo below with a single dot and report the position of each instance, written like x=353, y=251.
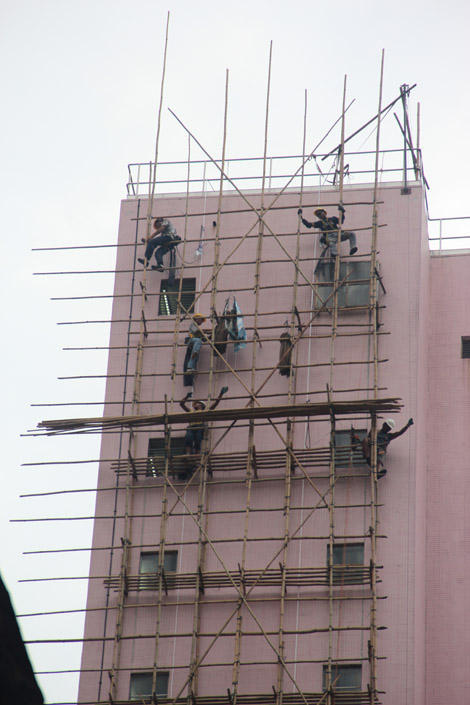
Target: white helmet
x=390, y=423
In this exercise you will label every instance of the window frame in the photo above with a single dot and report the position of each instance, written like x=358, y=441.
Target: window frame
x=156, y=452
x=148, y=578
x=345, y=456
x=162, y=692
x=168, y=303
x=348, y=290
x=345, y=573
x=345, y=667
x=465, y=347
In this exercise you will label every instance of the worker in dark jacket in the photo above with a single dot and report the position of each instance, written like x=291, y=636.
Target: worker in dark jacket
x=195, y=430
x=329, y=229
x=384, y=436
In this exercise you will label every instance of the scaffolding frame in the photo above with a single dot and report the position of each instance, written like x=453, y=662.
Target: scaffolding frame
x=296, y=465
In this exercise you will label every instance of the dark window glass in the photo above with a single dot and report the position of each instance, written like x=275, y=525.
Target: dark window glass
x=141, y=685
x=149, y=562
x=156, y=454
x=168, y=302
x=465, y=346
x=349, y=450
x=354, y=291
x=345, y=557
x=148, y=569
x=344, y=676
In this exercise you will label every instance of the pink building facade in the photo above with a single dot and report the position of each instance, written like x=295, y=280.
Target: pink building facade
x=213, y=579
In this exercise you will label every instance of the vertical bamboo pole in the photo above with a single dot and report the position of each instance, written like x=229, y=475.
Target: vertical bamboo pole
x=292, y=388
x=215, y=265
x=180, y=287
x=331, y=540
x=418, y=138
x=374, y=509
x=337, y=260
x=332, y=474
x=203, y=514
x=161, y=547
x=140, y=346
x=251, y=427
x=126, y=539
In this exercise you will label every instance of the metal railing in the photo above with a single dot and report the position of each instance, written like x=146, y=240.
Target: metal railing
x=317, y=171
x=449, y=233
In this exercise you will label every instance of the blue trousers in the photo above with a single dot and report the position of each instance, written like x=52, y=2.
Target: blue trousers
x=194, y=346
x=159, y=242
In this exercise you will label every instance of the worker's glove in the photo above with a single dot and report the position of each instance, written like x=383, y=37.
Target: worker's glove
x=224, y=390
x=410, y=422
x=341, y=208
x=143, y=240
x=299, y=212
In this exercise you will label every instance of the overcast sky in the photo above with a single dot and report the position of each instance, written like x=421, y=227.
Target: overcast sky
x=81, y=86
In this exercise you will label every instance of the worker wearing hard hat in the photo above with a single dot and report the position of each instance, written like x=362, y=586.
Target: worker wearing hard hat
x=384, y=436
x=329, y=237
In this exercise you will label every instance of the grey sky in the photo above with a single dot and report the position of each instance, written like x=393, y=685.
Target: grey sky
x=81, y=82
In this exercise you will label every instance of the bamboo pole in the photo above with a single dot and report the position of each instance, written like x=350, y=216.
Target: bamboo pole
x=373, y=481
x=127, y=537
x=180, y=289
x=251, y=467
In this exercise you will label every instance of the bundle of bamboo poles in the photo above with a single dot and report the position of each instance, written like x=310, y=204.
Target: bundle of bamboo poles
x=337, y=408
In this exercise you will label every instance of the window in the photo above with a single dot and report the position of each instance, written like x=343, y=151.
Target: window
x=349, y=451
x=141, y=685
x=156, y=454
x=168, y=303
x=465, y=346
x=345, y=557
x=148, y=568
x=344, y=676
x=354, y=291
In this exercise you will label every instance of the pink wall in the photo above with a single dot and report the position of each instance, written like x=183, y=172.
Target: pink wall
x=448, y=493
x=404, y=266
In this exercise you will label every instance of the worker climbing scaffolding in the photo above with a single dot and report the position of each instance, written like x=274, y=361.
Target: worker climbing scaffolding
x=193, y=342
x=195, y=430
x=329, y=237
x=384, y=437
x=161, y=241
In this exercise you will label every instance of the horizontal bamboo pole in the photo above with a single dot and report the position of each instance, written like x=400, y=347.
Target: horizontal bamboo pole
x=375, y=406
x=253, y=539
x=206, y=601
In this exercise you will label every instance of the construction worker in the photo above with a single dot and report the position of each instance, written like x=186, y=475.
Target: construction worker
x=161, y=240
x=384, y=436
x=195, y=430
x=193, y=342
x=329, y=236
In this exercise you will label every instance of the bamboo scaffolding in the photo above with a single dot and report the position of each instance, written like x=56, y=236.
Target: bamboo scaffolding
x=307, y=698
x=251, y=467
x=277, y=577
x=244, y=596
